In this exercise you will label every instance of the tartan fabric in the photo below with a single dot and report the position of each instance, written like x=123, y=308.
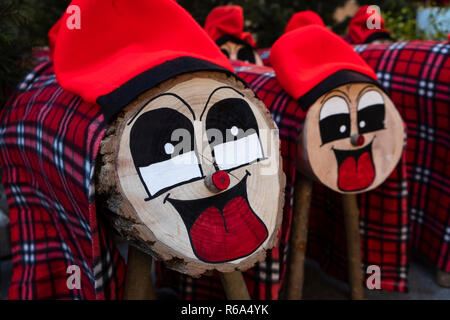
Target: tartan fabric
x=417, y=77
x=265, y=54
x=384, y=219
x=49, y=139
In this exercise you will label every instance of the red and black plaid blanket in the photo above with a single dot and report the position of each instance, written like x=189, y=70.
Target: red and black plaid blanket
x=48, y=144
x=417, y=77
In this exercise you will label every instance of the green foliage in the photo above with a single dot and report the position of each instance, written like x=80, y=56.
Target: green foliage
x=402, y=24
x=267, y=19
x=400, y=18
x=23, y=25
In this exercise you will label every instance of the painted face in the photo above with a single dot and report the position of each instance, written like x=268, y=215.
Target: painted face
x=353, y=138
x=194, y=130
x=236, y=51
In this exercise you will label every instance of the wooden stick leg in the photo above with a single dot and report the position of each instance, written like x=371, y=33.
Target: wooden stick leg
x=298, y=240
x=234, y=285
x=443, y=278
x=351, y=217
x=138, y=281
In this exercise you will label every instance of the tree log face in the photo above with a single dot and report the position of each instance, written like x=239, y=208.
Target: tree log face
x=352, y=139
x=237, y=51
x=156, y=157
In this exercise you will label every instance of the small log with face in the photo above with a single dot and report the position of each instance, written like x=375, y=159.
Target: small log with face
x=239, y=50
x=352, y=139
x=225, y=25
x=165, y=150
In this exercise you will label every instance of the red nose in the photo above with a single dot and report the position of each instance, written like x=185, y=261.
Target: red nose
x=357, y=140
x=221, y=180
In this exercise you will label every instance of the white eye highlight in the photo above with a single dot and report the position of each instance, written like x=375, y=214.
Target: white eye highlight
x=370, y=98
x=160, y=175
x=334, y=105
x=236, y=153
x=169, y=148
x=234, y=130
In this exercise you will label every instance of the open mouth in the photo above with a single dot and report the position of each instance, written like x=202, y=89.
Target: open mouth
x=222, y=227
x=356, y=170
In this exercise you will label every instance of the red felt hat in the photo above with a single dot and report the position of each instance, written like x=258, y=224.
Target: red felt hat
x=303, y=18
x=359, y=31
x=123, y=48
x=227, y=23
x=312, y=60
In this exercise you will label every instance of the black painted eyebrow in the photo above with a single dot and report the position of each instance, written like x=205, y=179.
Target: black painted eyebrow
x=214, y=91
x=334, y=91
x=159, y=96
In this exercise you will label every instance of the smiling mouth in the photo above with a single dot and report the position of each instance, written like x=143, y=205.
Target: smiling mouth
x=356, y=170
x=222, y=227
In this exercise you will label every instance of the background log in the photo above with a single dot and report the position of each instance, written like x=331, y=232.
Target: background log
x=138, y=281
x=234, y=285
x=299, y=237
x=351, y=217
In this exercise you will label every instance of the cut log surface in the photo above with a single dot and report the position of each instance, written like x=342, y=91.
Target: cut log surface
x=153, y=161
x=353, y=138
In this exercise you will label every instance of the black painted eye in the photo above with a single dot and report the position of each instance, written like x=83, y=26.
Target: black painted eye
x=225, y=52
x=334, y=121
x=246, y=53
x=232, y=132
x=371, y=112
x=162, y=148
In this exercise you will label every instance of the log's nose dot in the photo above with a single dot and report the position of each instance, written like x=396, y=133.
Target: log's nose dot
x=218, y=181
x=357, y=140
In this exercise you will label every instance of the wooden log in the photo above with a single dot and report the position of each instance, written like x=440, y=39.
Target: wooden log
x=155, y=157
x=298, y=238
x=351, y=218
x=234, y=285
x=239, y=51
x=352, y=139
x=443, y=278
x=138, y=281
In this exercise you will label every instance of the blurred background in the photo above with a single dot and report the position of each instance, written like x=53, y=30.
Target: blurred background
x=24, y=23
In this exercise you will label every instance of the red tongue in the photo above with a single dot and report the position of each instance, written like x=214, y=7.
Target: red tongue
x=354, y=175
x=244, y=232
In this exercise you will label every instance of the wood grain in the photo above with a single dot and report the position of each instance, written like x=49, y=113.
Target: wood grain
x=299, y=237
x=317, y=160
x=156, y=227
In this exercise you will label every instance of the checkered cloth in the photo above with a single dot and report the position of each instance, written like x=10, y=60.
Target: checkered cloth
x=417, y=77
x=383, y=223
x=49, y=140
x=265, y=54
